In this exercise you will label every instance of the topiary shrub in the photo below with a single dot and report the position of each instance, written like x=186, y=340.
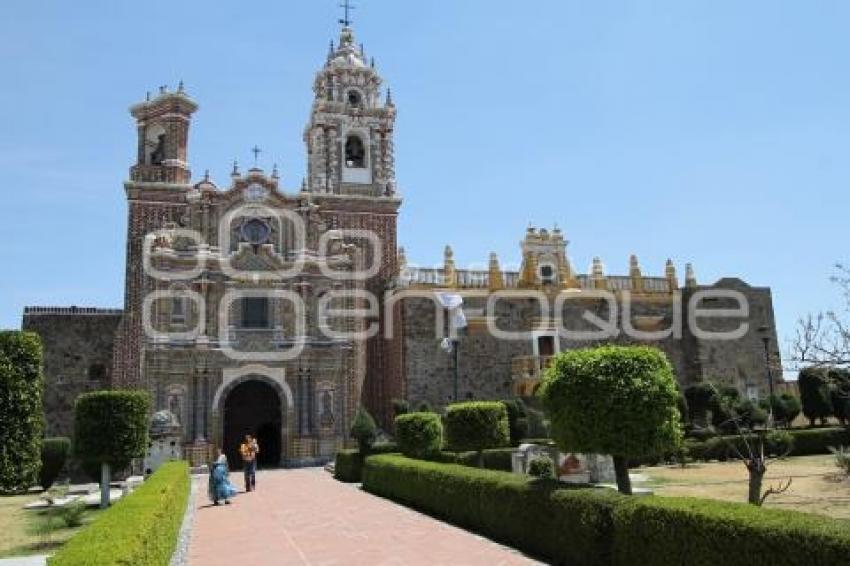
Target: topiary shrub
x=110, y=427
x=750, y=414
x=419, y=435
x=617, y=400
x=814, y=394
x=477, y=425
x=400, y=407
x=21, y=420
x=785, y=407
x=517, y=420
x=542, y=467
x=839, y=393
x=700, y=398
x=54, y=453
x=364, y=430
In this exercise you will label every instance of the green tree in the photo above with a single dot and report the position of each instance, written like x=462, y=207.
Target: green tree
x=814, y=394
x=21, y=417
x=110, y=427
x=364, y=430
x=617, y=400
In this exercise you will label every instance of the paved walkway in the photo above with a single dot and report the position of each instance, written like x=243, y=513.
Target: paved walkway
x=306, y=517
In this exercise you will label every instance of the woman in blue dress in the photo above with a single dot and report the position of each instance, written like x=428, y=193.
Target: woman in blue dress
x=220, y=487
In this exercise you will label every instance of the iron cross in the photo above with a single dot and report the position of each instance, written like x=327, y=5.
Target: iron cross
x=256, y=151
x=348, y=7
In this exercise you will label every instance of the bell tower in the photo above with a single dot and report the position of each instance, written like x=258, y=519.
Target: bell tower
x=163, y=137
x=349, y=136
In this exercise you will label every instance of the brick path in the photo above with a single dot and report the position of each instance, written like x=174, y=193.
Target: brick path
x=305, y=517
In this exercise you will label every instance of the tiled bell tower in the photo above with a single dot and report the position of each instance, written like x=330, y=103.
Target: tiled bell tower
x=351, y=176
x=349, y=136
x=156, y=198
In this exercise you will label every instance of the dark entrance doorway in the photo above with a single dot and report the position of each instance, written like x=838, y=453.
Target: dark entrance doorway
x=253, y=408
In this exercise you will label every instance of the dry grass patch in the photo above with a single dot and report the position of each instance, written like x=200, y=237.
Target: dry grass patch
x=817, y=485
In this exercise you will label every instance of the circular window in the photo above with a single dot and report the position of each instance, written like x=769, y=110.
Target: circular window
x=547, y=272
x=255, y=231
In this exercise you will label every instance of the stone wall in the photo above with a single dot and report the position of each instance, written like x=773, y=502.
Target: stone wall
x=486, y=369
x=78, y=346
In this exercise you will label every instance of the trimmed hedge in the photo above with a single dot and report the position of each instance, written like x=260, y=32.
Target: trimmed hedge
x=21, y=420
x=348, y=465
x=601, y=527
x=477, y=425
x=140, y=530
x=672, y=531
x=566, y=526
x=419, y=435
x=494, y=459
x=806, y=442
x=54, y=452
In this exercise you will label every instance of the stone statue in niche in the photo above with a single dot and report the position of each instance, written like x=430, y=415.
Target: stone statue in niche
x=327, y=414
x=175, y=404
x=158, y=154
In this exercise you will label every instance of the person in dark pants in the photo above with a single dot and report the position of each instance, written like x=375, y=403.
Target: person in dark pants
x=249, y=450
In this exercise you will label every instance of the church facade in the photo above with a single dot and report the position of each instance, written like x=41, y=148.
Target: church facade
x=252, y=309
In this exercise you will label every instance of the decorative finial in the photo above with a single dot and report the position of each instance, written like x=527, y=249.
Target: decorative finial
x=148, y=96
x=331, y=51
x=690, y=277
x=372, y=62
x=670, y=274
x=347, y=6
x=303, y=185
x=448, y=253
x=274, y=171
x=180, y=86
x=207, y=176
x=163, y=89
x=235, y=171
x=389, y=96
x=256, y=151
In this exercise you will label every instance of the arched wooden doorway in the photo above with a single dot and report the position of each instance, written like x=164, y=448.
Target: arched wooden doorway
x=253, y=407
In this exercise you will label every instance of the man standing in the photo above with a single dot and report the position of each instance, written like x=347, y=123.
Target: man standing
x=249, y=450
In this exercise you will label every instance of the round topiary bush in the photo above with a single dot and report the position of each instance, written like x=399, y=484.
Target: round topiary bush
x=517, y=420
x=617, y=400
x=21, y=411
x=419, y=435
x=110, y=427
x=477, y=425
x=54, y=453
x=541, y=467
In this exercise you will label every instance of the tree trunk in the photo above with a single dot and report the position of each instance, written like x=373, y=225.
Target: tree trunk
x=757, y=471
x=105, y=478
x=621, y=470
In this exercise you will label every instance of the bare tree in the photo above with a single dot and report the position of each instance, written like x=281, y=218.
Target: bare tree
x=823, y=339
x=756, y=460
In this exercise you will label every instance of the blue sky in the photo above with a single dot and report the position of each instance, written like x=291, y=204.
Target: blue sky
x=714, y=132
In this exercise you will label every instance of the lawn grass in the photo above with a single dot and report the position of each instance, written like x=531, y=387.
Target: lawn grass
x=817, y=487
x=28, y=532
